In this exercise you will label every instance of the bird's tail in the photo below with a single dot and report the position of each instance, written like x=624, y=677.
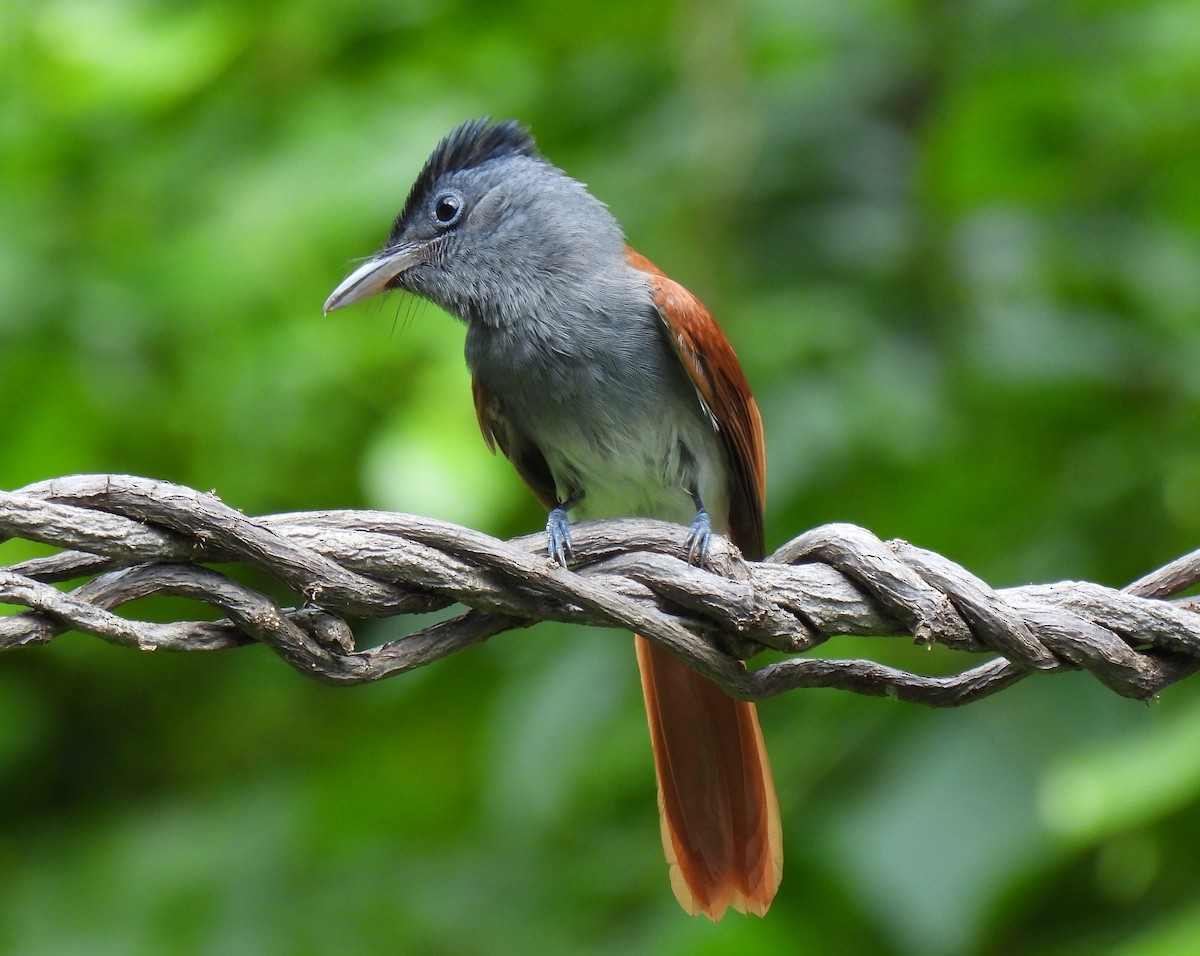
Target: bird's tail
x=716, y=798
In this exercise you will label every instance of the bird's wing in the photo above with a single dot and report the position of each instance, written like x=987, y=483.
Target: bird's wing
x=722, y=388
x=516, y=446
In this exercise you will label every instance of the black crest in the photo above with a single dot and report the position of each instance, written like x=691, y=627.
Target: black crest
x=468, y=145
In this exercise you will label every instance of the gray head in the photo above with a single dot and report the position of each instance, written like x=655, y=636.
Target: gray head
x=491, y=231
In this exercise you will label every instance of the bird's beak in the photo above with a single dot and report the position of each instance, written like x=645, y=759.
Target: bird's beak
x=372, y=277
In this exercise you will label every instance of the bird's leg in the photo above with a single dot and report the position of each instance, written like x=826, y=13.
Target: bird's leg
x=700, y=533
x=558, y=529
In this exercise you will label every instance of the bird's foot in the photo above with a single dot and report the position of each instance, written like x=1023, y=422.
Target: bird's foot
x=558, y=536
x=698, y=537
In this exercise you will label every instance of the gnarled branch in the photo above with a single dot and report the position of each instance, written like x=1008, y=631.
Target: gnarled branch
x=129, y=538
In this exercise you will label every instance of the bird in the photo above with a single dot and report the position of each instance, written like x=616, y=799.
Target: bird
x=614, y=393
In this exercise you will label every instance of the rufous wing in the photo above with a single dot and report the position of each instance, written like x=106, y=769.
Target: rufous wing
x=721, y=385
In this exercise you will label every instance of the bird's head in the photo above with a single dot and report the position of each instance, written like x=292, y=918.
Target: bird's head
x=490, y=231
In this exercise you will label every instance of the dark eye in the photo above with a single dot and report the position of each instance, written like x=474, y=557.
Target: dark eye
x=447, y=208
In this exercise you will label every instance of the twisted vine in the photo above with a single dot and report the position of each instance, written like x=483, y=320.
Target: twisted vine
x=127, y=538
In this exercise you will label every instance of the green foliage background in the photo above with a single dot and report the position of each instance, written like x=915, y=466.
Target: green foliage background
x=956, y=246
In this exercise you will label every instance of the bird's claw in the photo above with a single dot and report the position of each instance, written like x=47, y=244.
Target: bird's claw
x=558, y=536
x=698, y=537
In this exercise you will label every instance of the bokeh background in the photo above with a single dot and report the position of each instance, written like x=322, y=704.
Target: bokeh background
x=957, y=246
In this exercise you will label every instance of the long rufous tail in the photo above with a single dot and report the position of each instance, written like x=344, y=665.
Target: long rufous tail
x=716, y=799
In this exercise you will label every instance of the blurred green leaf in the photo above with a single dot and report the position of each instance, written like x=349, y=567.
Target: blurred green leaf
x=1127, y=783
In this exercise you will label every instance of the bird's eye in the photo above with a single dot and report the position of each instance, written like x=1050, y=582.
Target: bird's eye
x=447, y=209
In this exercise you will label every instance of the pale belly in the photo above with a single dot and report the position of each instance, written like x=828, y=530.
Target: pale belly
x=649, y=468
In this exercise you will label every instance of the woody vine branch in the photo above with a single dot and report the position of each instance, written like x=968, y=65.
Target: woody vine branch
x=121, y=538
